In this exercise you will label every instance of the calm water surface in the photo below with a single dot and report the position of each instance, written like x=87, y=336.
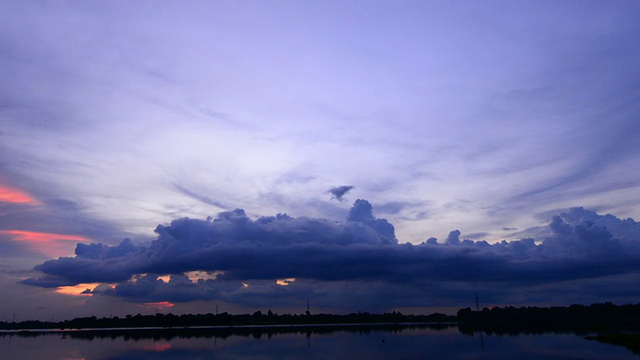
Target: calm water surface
x=323, y=343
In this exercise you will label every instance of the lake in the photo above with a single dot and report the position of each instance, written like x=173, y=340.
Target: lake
x=322, y=342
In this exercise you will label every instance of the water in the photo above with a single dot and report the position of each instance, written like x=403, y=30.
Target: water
x=317, y=343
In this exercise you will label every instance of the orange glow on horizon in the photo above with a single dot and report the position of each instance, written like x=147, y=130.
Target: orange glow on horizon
x=49, y=244
x=77, y=290
x=160, y=305
x=15, y=196
x=285, y=282
x=194, y=276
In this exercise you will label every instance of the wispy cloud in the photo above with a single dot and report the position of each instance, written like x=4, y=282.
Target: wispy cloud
x=205, y=199
x=15, y=196
x=51, y=245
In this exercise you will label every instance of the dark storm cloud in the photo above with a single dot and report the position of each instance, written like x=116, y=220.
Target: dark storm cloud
x=339, y=192
x=326, y=256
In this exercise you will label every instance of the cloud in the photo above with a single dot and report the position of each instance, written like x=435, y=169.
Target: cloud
x=406, y=158
x=16, y=196
x=199, y=197
x=42, y=226
x=44, y=243
x=453, y=238
x=47, y=228
x=339, y=192
x=22, y=219
x=330, y=260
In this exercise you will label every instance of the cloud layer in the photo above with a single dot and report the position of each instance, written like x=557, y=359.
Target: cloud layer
x=360, y=259
x=296, y=101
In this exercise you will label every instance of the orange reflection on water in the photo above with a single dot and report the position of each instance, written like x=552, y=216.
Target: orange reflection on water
x=157, y=346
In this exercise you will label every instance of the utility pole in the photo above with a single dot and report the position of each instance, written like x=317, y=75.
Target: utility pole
x=477, y=304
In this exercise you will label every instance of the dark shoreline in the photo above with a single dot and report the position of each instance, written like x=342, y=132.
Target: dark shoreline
x=430, y=325
x=595, y=318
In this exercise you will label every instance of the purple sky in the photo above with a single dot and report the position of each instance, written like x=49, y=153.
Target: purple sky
x=489, y=118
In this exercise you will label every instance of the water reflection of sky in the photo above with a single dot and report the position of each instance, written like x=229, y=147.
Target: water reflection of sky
x=374, y=344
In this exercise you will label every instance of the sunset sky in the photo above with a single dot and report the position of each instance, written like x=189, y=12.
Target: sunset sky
x=362, y=155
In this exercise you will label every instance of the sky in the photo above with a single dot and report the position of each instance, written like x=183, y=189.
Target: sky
x=359, y=155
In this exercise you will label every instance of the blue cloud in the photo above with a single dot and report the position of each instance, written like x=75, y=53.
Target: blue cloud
x=339, y=192
x=325, y=256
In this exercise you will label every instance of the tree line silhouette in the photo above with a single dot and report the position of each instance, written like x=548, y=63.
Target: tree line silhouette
x=225, y=319
x=574, y=318
x=602, y=317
